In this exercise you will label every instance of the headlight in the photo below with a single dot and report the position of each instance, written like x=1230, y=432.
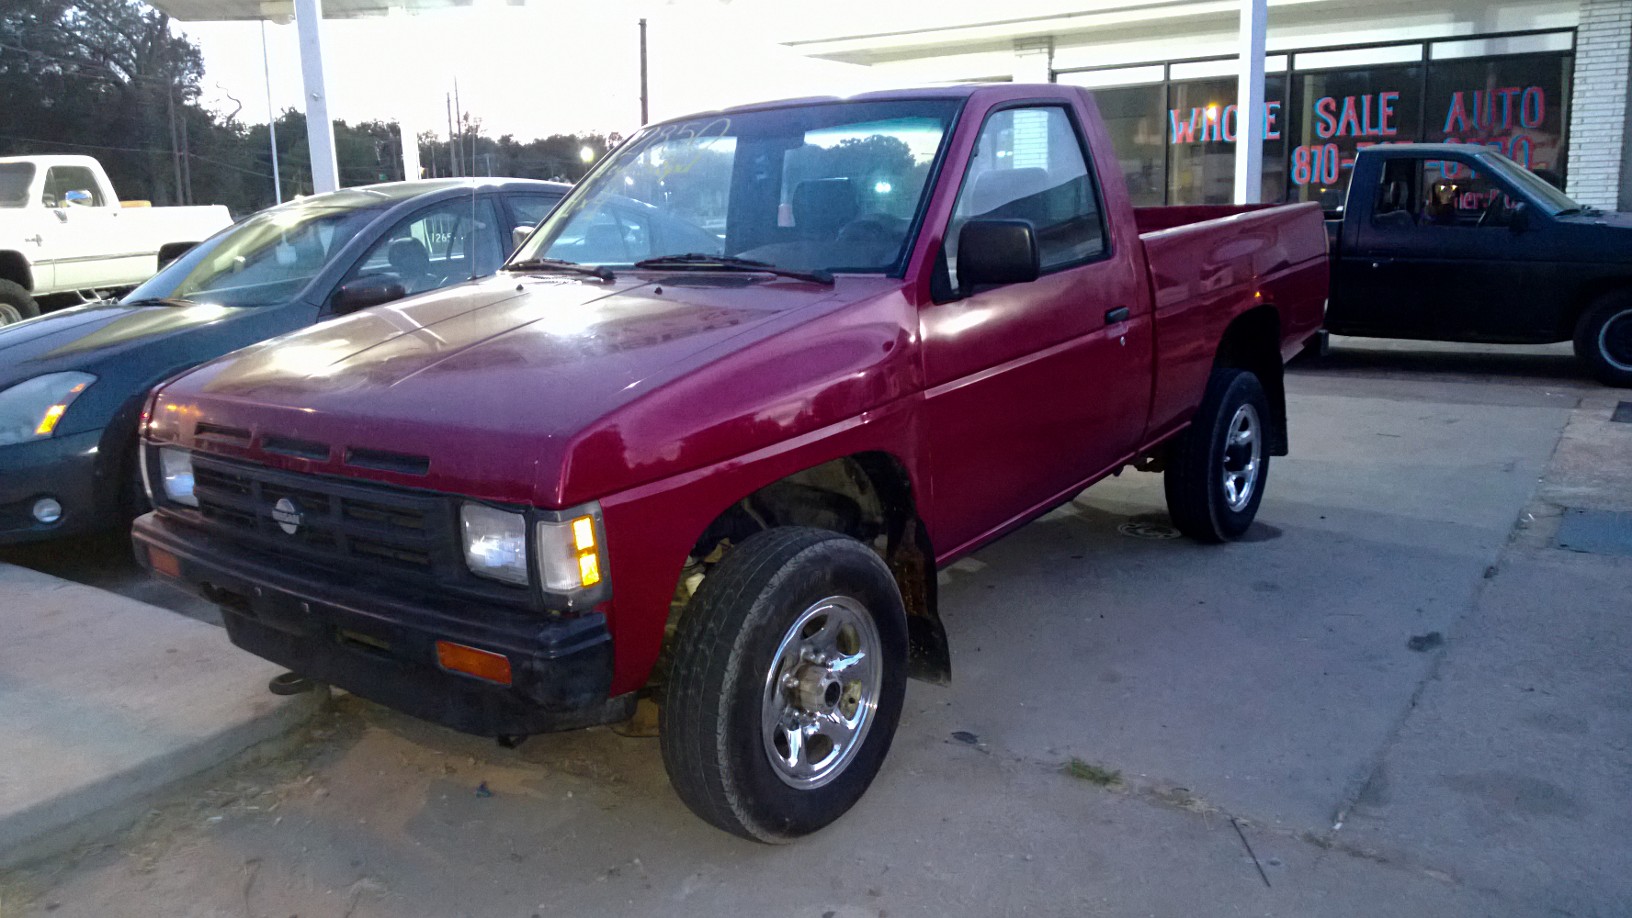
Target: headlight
x=32, y=409
x=176, y=470
x=495, y=543
x=569, y=554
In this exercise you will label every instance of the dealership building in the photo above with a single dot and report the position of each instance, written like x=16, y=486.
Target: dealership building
x=1544, y=81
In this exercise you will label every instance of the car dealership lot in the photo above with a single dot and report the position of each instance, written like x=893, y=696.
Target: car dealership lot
x=1398, y=648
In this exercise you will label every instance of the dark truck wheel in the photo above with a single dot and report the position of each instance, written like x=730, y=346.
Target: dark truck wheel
x=1218, y=467
x=15, y=303
x=1603, y=340
x=786, y=684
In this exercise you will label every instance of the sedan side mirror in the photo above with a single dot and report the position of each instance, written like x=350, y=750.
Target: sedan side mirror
x=365, y=292
x=519, y=235
x=994, y=252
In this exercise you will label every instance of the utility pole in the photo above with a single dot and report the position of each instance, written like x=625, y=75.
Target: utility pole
x=271, y=118
x=175, y=144
x=643, y=105
x=466, y=165
x=453, y=144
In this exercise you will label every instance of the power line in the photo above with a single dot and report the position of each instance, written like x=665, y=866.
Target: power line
x=149, y=150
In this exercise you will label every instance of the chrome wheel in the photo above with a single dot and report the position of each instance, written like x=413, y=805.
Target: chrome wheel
x=1243, y=454
x=10, y=314
x=821, y=692
x=1615, y=341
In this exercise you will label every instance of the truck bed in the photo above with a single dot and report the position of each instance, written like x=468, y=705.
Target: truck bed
x=1210, y=264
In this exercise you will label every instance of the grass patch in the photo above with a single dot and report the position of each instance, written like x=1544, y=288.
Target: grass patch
x=1093, y=774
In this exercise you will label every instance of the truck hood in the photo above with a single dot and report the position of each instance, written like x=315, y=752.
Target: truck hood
x=475, y=383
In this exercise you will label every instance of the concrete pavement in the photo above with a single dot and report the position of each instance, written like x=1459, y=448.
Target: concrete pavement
x=106, y=703
x=1389, y=700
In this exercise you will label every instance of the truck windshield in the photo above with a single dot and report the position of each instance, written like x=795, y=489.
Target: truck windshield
x=265, y=260
x=15, y=179
x=1548, y=198
x=821, y=187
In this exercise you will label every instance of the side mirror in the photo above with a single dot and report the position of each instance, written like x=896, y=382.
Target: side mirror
x=365, y=292
x=1519, y=219
x=997, y=252
x=78, y=196
x=519, y=235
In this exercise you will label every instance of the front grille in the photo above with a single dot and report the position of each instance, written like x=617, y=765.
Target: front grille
x=359, y=529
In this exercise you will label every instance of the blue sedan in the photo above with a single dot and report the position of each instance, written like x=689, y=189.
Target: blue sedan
x=72, y=383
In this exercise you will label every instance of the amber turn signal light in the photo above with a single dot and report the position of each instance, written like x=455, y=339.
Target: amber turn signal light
x=164, y=563
x=483, y=664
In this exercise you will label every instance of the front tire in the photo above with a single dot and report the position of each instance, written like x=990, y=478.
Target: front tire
x=1219, y=466
x=15, y=303
x=1603, y=340
x=786, y=684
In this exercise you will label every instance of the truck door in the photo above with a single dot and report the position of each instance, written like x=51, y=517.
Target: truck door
x=81, y=237
x=1437, y=259
x=1032, y=388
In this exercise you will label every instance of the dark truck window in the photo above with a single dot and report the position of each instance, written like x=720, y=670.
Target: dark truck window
x=1445, y=193
x=59, y=180
x=14, y=181
x=1029, y=165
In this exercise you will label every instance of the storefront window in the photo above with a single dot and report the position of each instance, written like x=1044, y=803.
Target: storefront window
x=1136, y=118
x=1201, y=132
x=1514, y=104
x=1175, y=140
x=1340, y=112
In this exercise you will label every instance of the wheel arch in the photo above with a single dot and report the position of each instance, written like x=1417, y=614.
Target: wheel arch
x=15, y=267
x=1252, y=341
x=1589, y=296
x=866, y=495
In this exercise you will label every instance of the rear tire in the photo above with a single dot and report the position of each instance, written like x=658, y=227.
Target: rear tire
x=1603, y=340
x=1219, y=466
x=15, y=303
x=786, y=684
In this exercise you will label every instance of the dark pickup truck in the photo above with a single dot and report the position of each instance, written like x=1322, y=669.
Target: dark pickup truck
x=1454, y=242
x=726, y=478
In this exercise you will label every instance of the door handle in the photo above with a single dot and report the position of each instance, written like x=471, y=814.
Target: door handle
x=1120, y=314
x=37, y=239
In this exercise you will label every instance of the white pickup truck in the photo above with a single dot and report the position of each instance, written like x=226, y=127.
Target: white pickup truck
x=66, y=238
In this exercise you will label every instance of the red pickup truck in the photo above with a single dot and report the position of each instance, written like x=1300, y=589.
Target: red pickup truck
x=709, y=435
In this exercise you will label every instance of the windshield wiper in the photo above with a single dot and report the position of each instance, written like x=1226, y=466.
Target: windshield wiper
x=154, y=301
x=707, y=262
x=561, y=264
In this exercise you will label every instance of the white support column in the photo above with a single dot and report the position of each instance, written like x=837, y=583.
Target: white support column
x=410, y=149
x=1600, y=141
x=1034, y=60
x=319, y=128
x=1249, y=104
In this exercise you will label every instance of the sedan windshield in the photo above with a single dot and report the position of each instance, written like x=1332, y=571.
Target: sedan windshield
x=809, y=188
x=265, y=260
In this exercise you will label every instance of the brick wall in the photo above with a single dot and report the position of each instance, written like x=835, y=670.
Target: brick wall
x=1600, y=163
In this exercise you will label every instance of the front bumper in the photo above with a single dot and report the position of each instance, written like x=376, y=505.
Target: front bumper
x=65, y=468
x=384, y=649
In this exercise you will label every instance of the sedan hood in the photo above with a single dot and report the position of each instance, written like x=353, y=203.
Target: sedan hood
x=84, y=336
x=474, y=382
x=129, y=348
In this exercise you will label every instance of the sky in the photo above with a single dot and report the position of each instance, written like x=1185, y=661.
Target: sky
x=528, y=71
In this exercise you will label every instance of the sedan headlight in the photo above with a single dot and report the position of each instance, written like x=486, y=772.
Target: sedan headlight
x=32, y=409
x=569, y=554
x=176, y=474
x=495, y=543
